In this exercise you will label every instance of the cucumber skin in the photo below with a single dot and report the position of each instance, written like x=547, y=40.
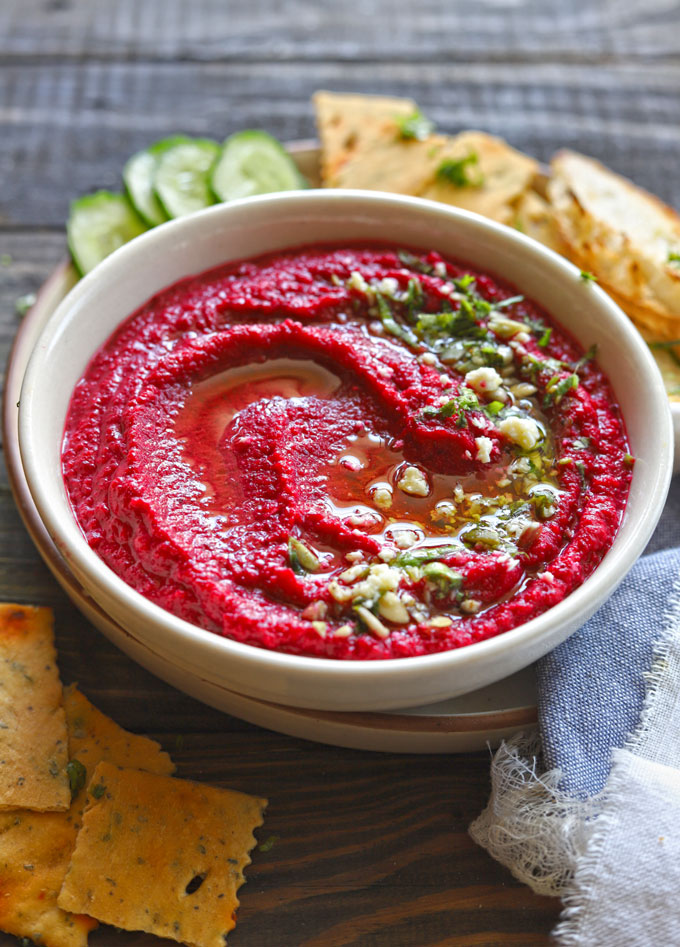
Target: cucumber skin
x=155, y=151
x=182, y=140
x=96, y=198
x=257, y=133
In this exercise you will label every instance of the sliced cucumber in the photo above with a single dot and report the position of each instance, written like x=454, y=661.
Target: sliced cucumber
x=182, y=174
x=138, y=176
x=253, y=162
x=97, y=225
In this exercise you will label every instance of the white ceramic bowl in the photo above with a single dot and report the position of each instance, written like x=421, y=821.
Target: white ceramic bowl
x=104, y=298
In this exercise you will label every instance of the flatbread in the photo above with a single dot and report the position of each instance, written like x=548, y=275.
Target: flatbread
x=504, y=174
x=162, y=855
x=36, y=847
x=33, y=740
x=533, y=217
x=624, y=235
x=361, y=144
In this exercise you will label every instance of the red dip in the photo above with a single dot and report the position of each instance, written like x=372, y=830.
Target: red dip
x=348, y=453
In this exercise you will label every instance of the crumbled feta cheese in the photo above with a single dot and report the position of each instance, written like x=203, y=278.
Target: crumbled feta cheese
x=355, y=556
x=387, y=286
x=524, y=432
x=548, y=576
x=414, y=482
x=485, y=381
x=382, y=496
x=364, y=520
x=392, y=609
x=387, y=554
x=405, y=538
x=440, y=269
x=484, y=448
x=353, y=573
x=356, y=281
x=428, y=358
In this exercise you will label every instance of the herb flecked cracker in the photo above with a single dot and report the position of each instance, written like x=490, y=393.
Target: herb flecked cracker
x=161, y=855
x=36, y=847
x=33, y=742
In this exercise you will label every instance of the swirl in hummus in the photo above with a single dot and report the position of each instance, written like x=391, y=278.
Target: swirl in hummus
x=355, y=453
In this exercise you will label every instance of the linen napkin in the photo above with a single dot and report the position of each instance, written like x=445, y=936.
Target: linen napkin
x=589, y=807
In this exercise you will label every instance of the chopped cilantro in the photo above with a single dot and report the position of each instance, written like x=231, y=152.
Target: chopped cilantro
x=480, y=535
x=463, y=283
x=77, y=774
x=413, y=262
x=494, y=408
x=417, y=557
x=544, y=339
x=443, y=577
x=582, y=470
x=585, y=358
x=391, y=325
x=466, y=400
x=415, y=127
x=588, y=277
x=582, y=443
x=558, y=387
x=674, y=257
x=456, y=171
x=414, y=295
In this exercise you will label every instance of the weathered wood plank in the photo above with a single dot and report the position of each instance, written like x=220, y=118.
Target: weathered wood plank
x=67, y=129
x=300, y=30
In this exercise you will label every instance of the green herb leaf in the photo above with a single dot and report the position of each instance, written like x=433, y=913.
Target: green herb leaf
x=416, y=557
x=545, y=338
x=588, y=277
x=558, y=387
x=98, y=791
x=674, y=257
x=412, y=262
x=391, y=325
x=456, y=171
x=480, y=535
x=585, y=358
x=511, y=301
x=415, y=127
x=77, y=774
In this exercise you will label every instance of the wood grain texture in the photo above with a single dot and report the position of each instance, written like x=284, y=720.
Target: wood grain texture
x=372, y=849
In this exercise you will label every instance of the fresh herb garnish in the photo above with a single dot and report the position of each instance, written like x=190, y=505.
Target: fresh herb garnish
x=585, y=358
x=558, y=387
x=544, y=339
x=414, y=263
x=628, y=460
x=511, y=301
x=415, y=127
x=456, y=171
x=443, y=577
x=391, y=325
x=417, y=557
x=588, y=277
x=674, y=257
x=466, y=400
x=77, y=774
x=480, y=535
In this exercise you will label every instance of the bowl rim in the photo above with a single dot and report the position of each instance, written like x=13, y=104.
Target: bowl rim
x=613, y=567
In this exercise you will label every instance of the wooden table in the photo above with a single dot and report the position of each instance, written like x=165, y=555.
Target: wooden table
x=371, y=849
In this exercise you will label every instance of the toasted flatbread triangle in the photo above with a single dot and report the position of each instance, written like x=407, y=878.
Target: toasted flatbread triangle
x=499, y=174
x=33, y=740
x=623, y=234
x=36, y=847
x=361, y=144
x=162, y=855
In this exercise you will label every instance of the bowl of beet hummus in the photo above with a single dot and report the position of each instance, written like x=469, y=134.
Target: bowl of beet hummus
x=344, y=450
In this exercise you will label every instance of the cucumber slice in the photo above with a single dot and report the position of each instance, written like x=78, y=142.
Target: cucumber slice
x=181, y=179
x=138, y=177
x=97, y=225
x=253, y=162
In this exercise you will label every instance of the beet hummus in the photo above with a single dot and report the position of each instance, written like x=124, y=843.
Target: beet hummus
x=352, y=453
